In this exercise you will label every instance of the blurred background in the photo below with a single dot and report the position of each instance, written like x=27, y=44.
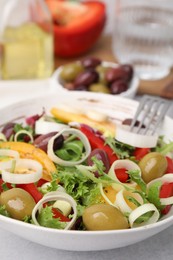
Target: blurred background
x=109, y=4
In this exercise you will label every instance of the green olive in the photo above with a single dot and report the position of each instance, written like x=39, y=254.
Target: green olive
x=103, y=217
x=18, y=202
x=102, y=74
x=98, y=87
x=153, y=165
x=70, y=71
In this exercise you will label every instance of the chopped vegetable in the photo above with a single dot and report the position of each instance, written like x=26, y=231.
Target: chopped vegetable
x=98, y=142
x=29, y=151
x=32, y=190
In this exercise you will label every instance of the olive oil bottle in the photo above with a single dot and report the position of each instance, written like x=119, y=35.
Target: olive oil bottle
x=26, y=40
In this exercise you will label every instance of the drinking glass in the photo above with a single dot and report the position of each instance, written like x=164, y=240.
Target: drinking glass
x=143, y=36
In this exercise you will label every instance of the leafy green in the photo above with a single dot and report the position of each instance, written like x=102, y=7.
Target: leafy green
x=144, y=218
x=135, y=176
x=165, y=148
x=142, y=194
x=122, y=150
x=76, y=184
x=99, y=165
x=45, y=219
x=19, y=127
x=71, y=151
x=3, y=211
x=88, y=171
x=4, y=186
x=153, y=194
x=27, y=219
x=133, y=200
x=82, y=188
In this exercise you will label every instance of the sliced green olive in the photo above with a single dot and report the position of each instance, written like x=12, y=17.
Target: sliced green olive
x=103, y=217
x=153, y=165
x=18, y=202
x=71, y=71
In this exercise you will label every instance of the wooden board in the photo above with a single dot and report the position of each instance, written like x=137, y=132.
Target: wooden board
x=103, y=50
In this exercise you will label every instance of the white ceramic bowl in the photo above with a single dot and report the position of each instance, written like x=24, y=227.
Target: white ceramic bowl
x=116, y=107
x=130, y=93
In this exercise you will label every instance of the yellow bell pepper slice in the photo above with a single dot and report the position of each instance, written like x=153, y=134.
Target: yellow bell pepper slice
x=110, y=193
x=29, y=151
x=66, y=117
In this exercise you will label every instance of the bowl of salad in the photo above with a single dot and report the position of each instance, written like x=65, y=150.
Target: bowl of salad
x=67, y=182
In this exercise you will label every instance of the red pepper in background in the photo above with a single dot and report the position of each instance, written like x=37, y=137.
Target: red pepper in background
x=32, y=190
x=122, y=174
x=166, y=191
x=139, y=153
x=98, y=142
x=77, y=29
x=170, y=165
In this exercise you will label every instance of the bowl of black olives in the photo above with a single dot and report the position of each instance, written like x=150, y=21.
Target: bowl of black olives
x=94, y=75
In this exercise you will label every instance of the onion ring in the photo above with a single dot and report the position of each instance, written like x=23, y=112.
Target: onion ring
x=21, y=178
x=57, y=196
x=58, y=160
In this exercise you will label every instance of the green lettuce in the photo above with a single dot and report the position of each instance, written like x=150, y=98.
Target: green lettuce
x=45, y=218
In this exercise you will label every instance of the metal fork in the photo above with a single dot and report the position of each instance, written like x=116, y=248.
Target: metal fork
x=149, y=115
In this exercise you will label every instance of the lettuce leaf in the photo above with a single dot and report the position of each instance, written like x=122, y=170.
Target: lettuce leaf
x=45, y=219
x=3, y=211
x=153, y=194
x=122, y=150
x=83, y=189
x=162, y=147
x=135, y=176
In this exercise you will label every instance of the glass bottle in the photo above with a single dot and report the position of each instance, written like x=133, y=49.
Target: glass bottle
x=26, y=40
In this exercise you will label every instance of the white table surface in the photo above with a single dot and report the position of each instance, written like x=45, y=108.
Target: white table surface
x=158, y=247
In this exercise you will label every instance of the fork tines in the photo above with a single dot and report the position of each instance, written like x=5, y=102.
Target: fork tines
x=149, y=115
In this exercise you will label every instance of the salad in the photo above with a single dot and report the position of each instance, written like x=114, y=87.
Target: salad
x=67, y=171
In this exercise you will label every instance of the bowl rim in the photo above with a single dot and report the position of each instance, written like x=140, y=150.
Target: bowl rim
x=161, y=222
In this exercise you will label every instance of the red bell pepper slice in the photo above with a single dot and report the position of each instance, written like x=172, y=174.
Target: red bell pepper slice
x=98, y=142
x=58, y=214
x=139, y=153
x=76, y=29
x=41, y=182
x=32, y=190
x=170, y=165
x=122, y=174
x=166, y=191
